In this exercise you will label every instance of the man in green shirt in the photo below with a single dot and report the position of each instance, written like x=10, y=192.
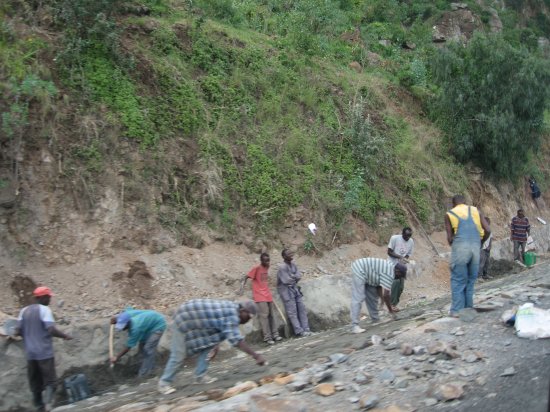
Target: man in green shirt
x=145, y=327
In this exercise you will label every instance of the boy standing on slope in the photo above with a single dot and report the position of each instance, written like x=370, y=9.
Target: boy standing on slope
x=264, y=299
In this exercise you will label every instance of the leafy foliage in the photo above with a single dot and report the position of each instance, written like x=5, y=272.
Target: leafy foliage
x=491, y=103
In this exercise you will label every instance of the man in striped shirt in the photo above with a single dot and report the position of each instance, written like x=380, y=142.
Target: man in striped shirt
x=372, y=278
x=520, y=230
x=199, y=326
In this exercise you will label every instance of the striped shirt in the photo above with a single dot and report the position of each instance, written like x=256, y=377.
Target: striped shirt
x=519, y=228
x=207, y=322
x=374, y=272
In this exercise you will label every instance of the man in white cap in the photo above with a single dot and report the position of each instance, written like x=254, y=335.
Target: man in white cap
x=200, y=325
x=37, y=327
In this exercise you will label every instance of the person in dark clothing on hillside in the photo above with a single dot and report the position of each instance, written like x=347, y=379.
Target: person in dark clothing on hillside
x=535, y=190
x=37, y=327
x=520, y=230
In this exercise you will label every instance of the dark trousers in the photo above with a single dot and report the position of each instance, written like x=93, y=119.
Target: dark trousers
x=42, y=376
x=397, y=288
x=484, y=262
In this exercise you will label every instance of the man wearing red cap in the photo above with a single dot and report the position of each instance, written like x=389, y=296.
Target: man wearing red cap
x=37, y=327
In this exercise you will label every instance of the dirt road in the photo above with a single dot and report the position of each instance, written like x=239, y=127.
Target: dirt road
x=480, y=365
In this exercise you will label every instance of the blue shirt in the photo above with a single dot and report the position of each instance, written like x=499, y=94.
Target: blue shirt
x=143, y=323
x=207, y=322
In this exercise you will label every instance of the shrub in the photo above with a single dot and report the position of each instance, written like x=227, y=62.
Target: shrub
x=491, y=103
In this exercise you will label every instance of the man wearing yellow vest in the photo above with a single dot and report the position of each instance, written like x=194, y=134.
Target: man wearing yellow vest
x=466, y=229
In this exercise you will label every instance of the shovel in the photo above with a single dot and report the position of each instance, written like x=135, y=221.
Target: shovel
x=111, y=351
x=283, y=317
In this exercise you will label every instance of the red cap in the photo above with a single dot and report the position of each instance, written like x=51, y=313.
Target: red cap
x=42, y=291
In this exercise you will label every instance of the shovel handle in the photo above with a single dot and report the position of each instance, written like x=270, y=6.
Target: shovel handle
x=111, y=337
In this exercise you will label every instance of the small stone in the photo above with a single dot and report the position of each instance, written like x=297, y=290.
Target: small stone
x=321, y=376
x=297, y=385
x=261, y=403
x=376, y=339
x=239, y=388
x=419, y=350
x=467, y=315
x=401, y=383
x=470, y=357
x=406, y=349
x=325, y=389
x=481, y=380
x=454, y=331
x=436, y=347
x=369, y=401
x=362, y=378
x=449, y=391
x=508, y=371
x=60, y=303
x=284, y=380
x=338, y=358
x=353, y=399
x=386, y=376
x=430, y=330
x=391, y=346
x=430, y=401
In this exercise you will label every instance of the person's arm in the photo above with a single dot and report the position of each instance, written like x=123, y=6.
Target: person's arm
x=528, y=228
x=243, y=282
x=449, y=229
x=392, y=254
x=387, y=300
x=512, y=227
x=57, y=333
x=485, y=226
x=242, y=345
x=123, y=352
x=46, y=316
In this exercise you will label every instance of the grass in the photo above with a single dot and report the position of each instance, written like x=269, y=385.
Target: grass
x=264, y=96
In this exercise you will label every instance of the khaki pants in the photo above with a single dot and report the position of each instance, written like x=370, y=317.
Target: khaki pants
x=266, y=316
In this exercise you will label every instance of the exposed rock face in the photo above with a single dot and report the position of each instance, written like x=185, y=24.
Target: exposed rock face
x=458, y=25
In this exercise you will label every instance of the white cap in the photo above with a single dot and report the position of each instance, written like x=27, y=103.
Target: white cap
x=312, y=228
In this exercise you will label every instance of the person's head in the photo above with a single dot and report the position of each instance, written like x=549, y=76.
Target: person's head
x=521, y=213
x=122, y=321
x=400, y=271
x=247, y=309
x=407, y=233
x=458, y=200
x=264, y=259
x=43, y=295
x=287, y=255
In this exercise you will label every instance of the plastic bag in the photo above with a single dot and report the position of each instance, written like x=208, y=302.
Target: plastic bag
x=530, y=245
x=532, y=322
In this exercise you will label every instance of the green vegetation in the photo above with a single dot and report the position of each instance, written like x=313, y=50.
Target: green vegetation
x=229, y=111
x=491, y=103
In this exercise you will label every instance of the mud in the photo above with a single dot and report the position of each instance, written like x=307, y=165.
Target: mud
x=22, y=287
x=135, y=285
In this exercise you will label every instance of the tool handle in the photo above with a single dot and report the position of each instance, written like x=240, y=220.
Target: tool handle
x=111, y=337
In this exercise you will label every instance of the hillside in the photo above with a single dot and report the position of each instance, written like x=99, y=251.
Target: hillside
x=145, y=125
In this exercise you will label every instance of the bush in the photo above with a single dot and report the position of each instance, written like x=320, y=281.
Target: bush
x=491, y=103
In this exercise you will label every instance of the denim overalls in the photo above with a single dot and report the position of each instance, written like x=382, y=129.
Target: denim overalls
x=464, y=263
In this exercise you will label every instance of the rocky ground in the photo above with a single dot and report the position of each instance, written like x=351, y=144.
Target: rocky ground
x=424, y=361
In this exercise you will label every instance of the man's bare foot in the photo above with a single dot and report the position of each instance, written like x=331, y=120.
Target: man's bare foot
x=395, y=309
